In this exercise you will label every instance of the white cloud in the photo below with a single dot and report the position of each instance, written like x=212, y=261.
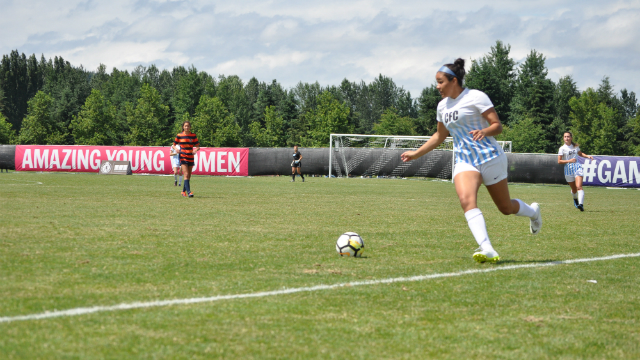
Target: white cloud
x=327, y=41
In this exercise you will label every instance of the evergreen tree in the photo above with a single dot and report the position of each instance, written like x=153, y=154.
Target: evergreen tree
x=14, y=79
x=526, y=135
x=633, y=135
x=69, y=87
x=214, y=125
x=426, y=123
x=96, y=123
x=494, y=74
x=330, y=116
x=607, y=95
x=629, y=104
x=533, y=99
x=7, y=134
x=594, y=124
x=188, y=90
x=565, y=90
x=39, y=126
x=231, y=92
x=391, y=123
x=273, y=132
x=147, y=120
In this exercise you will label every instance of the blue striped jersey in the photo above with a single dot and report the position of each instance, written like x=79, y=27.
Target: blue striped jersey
x=462, y=115
x=569, y=152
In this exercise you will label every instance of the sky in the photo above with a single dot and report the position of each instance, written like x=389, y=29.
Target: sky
x=327, y=41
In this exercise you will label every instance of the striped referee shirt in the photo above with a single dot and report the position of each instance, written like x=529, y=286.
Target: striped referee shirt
x=187, y=143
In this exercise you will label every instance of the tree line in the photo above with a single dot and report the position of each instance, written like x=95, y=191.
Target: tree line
x=53, y=102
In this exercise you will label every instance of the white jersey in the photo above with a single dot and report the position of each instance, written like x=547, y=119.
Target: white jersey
x=462, y=115
x=175, y=159
x=569, y=152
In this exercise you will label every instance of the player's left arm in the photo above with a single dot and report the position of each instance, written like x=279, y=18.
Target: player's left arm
x=585, y=155
x=494, y=128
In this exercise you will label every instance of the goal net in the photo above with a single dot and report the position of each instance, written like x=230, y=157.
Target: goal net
x=379, y=156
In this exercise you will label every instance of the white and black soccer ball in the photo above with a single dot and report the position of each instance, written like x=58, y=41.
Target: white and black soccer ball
x=350, y=244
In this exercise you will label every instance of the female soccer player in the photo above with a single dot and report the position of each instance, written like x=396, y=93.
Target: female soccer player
x=469, y=116
x=573, y=169
x=189, y=146
x=296, y=164
x=175, y=164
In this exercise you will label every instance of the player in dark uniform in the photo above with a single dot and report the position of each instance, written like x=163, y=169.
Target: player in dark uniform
x=189, y=146
x=296, y=164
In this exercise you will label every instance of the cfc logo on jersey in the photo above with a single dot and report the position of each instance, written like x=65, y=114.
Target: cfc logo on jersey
x=450, y=117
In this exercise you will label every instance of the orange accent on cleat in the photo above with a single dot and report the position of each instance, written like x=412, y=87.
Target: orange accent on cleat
x=184, y=193
x=190, y=194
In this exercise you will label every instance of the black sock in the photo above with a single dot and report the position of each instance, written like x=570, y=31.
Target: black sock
x=293, y=177
x=302, y=176
x=187, y=186
x=184, y=186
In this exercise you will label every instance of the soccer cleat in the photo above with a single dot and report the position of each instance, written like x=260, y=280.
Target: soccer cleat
x=175, y=183
x=581, y=207
x=482, y=256
x=302, y=179
x=575, y=203
x=292, y=181
x=190, y=194
x=184, y=193
x=536, y=221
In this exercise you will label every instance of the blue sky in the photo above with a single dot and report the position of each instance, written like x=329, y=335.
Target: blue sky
x=328, y=41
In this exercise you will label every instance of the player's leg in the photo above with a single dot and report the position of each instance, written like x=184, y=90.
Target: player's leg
x=186, y=176
x=175, y=175
x=188, y=182
x=293, y=174
x=571, y=180
x=300, y=172
x=500, y=195
x=467, y=184
x=578, y=185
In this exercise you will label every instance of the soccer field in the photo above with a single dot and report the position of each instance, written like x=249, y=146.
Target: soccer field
x=254, y=252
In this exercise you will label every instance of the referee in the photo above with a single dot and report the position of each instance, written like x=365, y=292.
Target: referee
x=296, y=164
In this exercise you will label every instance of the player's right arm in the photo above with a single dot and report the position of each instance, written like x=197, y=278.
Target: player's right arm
x=560, y=161
x=436, y=139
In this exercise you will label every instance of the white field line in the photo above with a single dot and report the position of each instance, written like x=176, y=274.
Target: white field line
x=139, y=305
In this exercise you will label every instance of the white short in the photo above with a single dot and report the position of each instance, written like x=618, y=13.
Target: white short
x=571, y=178
x=175, y=161
x=493, y=171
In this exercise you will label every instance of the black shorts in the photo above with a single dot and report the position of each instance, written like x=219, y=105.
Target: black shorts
x=294, y=164
x=188, y=163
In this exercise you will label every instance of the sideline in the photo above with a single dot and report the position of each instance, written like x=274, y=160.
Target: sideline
x=140, y=305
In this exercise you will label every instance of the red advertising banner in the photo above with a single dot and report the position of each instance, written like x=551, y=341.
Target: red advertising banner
x=144, y=159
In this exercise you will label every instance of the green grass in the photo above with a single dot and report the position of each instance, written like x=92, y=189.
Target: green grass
x=80, y=240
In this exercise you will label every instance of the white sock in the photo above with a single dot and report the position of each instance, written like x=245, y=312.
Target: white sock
x=175, y=176
x=575, y=195
x=525, y=210
x=580, y=197
x=478, y=228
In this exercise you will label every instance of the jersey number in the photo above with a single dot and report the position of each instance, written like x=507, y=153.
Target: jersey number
x=451, y=116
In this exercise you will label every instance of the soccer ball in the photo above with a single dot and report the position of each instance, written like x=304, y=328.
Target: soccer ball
x=350, y=244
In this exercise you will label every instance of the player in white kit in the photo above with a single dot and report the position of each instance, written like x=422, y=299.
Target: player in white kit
x=469, y=116
x=567, y=155
x=175, y=164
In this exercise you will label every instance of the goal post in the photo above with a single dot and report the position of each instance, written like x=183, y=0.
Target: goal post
x=379, y=156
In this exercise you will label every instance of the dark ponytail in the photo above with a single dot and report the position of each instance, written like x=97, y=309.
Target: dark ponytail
x=458, y=68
